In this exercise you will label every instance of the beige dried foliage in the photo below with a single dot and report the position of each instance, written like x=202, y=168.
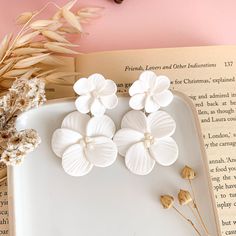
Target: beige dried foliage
x=26, y=39
x=71, y=19
x=52, y=61
x=39, y=24
x=15, y=73
x=4, y=45
x=27, y=62
x=24, y=18
x=54, y=36
x=39, y=44
x=59, y=49
x=28, y=51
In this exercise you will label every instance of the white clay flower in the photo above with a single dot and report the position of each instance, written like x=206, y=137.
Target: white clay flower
x=83, y=142
x=144, y=140
x=150, y=92
x=96, y=94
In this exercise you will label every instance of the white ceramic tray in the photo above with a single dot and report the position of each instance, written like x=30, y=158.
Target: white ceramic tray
x=44, y=200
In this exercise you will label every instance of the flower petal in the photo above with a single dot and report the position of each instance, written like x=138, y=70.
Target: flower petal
x=161, y=124
x=74, y=162
x=164, y=98
x=97, y=80
x=136, y=120
x=82, y=86
x=125, y=138
x=163, y=83
x=101, y=126
x=76, y=121
x=164, y=151
x=151, y=105
x=62, y=139
x=109, y=101
x=149, y=78
x=109, y=88
x=101, y=152
x=137, y=101
x=138, y=160
x=97, y=108
x=83, y=103
x=137, y=87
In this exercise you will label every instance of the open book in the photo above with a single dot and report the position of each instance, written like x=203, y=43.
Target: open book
x=208, y=76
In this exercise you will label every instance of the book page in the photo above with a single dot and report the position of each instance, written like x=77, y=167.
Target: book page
x=4, y=221
x=207, y=76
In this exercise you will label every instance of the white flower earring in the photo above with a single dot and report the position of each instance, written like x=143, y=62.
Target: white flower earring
x=85, y=141
x=145, y=139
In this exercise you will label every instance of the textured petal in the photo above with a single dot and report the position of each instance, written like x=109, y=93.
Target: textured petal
x=151, y=105
x=101, y=151
x=138, y=160
x=109, y=101
x=109, y=88
x=74, y=162
x=136, y=120
x=97, y=108
x=82, y=86
x=161, y=124
x=62, y=139
x=164, y=98
x=137, y=101
x=83, y=103
x=101, y=126
x=163, y=83
x=76, y=121
x=125, y=138
x=149, y=78
x=137, y=87
x=97, y=80
x=164, y=151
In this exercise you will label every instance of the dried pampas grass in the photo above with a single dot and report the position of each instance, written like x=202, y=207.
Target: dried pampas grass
x=40, y=42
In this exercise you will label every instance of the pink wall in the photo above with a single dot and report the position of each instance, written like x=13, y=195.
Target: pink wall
x=145, y=23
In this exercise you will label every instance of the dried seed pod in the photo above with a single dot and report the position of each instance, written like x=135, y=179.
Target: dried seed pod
x=188, y=173
x=167, y=201
x=184, y=197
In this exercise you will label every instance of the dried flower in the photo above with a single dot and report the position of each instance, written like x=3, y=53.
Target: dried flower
x=167, y=201
x=184, y=197
x=18, y=146
x=188, y=173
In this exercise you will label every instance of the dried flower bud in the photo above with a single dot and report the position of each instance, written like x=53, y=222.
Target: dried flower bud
x=184, y=197
x=188, y=173
x=24, y=17
x=167, y=201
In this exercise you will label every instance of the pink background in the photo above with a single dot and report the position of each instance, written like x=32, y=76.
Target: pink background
x=144, y=23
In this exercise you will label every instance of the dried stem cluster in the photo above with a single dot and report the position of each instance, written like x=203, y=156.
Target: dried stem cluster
x=35, y=50
x=185, y=198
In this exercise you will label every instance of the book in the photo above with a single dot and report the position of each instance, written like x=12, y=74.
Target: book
x=208, y=76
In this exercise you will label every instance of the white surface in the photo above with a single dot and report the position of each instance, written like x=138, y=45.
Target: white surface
x=107, y=201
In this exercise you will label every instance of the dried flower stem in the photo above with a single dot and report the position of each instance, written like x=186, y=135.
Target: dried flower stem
x=194, y=206
x=188, y=220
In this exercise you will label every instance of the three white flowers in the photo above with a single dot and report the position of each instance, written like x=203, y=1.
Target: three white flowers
x=83, y=141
